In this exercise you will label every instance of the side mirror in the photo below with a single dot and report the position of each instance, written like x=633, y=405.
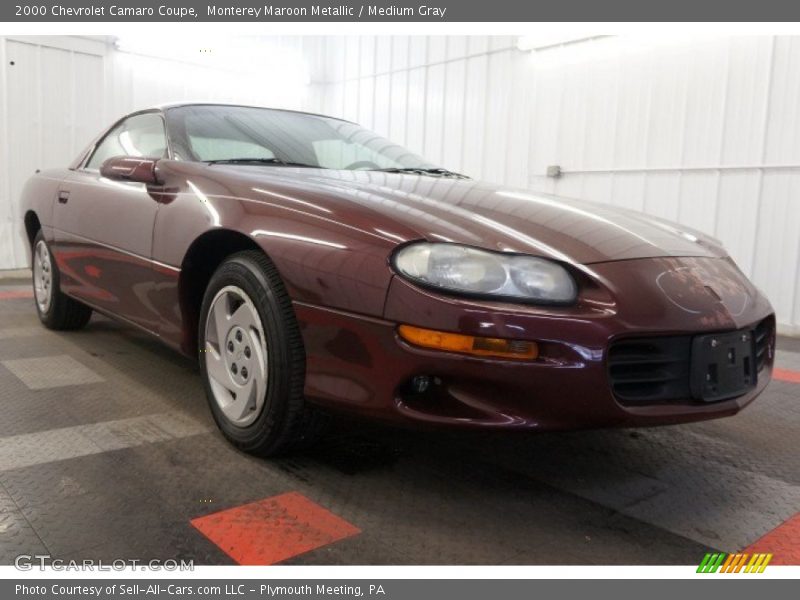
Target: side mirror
x=131, y=168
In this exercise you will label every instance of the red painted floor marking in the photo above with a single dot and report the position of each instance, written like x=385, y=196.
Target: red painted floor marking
x=786, y=375
x=274, y=529
x=16, y=294
x=783, y=542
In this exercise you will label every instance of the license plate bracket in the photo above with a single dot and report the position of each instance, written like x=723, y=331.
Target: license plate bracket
x=723, y=365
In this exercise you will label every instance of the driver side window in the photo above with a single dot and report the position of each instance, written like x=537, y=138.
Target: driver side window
x=140, y=135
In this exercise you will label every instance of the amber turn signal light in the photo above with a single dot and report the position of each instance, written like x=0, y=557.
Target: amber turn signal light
x=468, y=344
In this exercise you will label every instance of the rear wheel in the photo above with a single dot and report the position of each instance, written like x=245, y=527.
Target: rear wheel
x=56, y=310
x=252, y=358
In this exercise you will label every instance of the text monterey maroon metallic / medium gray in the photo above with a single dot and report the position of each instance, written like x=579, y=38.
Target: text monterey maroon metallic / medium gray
x=309, y=263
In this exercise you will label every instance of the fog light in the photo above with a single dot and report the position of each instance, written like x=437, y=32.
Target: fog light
x=468, y=344
x=420, y=384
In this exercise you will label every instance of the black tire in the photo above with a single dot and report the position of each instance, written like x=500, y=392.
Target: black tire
x=286, y=421
x=62, y=313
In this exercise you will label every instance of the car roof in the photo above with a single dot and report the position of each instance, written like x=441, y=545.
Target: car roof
x=168, y=105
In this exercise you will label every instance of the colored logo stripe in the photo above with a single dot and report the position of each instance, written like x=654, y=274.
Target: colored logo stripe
x=704, y=563
x=758, y=563
x=711, y=562
x=739, y=563
x=734, y=563
x=728, y=562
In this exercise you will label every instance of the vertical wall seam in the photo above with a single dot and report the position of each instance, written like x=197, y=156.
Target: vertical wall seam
x=682, y=161
x=426, y=73
x=764, y=139
x=72, y=104
x=485, y=134
x=445, y=77
x=391, y=89
x=374, y=79
x=615, y=129
x=408, y=87
x=358, y=81
x=510, y=129
x=647, y=133
x=462, y=156
x=722, y=137
x=5, y=151
x=534, y=85
x=559, y=126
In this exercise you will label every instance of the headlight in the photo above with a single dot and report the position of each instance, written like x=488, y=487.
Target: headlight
x=472, y=271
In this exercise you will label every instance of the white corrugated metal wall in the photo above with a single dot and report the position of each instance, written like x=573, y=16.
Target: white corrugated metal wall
x=40, y=121
x=702, y=131
x=62, y=91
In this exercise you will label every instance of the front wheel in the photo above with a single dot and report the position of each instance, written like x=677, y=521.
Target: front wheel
x=252, y=358
x=55, y=310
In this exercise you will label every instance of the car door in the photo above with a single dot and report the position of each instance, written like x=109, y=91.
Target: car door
x=104, y=228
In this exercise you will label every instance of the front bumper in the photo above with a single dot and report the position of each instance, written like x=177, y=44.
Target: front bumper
x=359, y=364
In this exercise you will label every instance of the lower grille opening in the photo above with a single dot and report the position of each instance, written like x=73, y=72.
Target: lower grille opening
x=657, y=370
x=765, y=341
x=649, y=370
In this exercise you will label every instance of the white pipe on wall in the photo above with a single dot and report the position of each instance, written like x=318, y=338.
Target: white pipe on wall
x=569, y=171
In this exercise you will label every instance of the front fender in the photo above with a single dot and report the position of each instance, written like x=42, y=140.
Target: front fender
x=323, y=260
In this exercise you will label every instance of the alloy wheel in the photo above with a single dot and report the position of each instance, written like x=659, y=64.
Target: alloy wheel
x=42, y=277
x=236, y=356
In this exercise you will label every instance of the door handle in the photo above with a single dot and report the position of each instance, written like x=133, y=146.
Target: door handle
x=63, y=196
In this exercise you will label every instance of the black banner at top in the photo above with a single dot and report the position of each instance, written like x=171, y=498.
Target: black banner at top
x=395, y=11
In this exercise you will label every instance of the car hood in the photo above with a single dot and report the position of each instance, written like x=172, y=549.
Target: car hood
x=403, y=207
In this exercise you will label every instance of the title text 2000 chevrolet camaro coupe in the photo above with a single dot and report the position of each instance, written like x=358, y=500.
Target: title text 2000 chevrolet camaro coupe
x=310, y=263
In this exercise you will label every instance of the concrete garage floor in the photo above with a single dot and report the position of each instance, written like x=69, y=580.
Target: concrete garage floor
x=108, y=451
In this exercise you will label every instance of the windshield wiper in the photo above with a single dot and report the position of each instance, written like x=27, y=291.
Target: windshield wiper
x=260, y=161
x=438, y=172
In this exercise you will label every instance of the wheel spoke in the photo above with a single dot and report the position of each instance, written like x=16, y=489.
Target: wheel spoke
x=243, y=317
x=259, y=362
x=244, y=404
x=215, y=366
x=221, y=320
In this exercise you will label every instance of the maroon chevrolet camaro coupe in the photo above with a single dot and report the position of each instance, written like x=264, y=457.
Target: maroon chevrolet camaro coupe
x=308, y=263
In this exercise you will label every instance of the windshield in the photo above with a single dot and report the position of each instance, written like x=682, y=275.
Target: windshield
x=233, y=133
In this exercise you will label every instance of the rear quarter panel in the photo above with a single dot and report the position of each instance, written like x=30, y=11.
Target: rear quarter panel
x=38, y=196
